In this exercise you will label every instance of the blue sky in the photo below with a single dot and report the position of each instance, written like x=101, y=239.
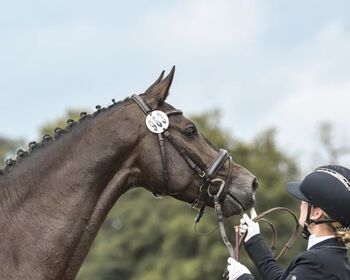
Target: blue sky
x=282, y=64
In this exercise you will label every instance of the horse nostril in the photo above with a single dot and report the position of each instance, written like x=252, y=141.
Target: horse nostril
x=255, y=184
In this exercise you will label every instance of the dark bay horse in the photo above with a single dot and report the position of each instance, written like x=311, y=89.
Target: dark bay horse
x=56, y=195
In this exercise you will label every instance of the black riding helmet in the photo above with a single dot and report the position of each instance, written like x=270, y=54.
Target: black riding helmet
x=328, y=187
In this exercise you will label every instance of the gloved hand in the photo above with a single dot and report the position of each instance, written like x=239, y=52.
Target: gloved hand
x=247, y=225
x=236, y=269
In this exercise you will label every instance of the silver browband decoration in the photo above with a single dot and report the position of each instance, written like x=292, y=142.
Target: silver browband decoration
x=335, y=174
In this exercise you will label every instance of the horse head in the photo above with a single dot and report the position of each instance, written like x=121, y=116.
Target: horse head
x=179, y=161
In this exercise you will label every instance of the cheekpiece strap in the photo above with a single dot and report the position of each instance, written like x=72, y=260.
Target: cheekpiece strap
x=142, y=104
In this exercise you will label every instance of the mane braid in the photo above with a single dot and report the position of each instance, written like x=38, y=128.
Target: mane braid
x=58, y=132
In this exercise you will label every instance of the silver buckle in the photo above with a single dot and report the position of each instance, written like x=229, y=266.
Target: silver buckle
x=222, y=185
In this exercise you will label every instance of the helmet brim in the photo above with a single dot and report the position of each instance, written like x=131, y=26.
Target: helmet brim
x=293, y=188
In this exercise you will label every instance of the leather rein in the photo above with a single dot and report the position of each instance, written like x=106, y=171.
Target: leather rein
x=273, y=246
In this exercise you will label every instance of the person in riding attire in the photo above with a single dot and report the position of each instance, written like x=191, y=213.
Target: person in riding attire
x=325, y=217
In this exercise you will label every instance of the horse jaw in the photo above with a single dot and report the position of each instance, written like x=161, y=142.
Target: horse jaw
x=240, y=196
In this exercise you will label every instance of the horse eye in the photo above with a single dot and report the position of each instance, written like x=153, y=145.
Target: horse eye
x=190, y=132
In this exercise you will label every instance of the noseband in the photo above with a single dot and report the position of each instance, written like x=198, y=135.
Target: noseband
x=208, y=176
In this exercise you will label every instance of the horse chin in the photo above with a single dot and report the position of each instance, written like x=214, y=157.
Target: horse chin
x=231, y=207
x=234, y=205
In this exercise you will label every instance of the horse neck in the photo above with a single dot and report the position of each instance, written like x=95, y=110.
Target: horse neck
x=54, y=202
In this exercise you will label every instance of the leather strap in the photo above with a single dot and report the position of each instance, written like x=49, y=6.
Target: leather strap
x=185, y=156
x=217, y=163
x=142, y=104
x=164, y=162
x=289, y=243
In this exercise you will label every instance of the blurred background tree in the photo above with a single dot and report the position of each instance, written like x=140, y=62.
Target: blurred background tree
x=334, y=151
x=61, y=122
x=7, y=148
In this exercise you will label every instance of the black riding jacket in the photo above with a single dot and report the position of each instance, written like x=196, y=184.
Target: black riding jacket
x=325, y=260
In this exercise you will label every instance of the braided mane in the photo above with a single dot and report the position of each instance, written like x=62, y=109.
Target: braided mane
x=33, y=146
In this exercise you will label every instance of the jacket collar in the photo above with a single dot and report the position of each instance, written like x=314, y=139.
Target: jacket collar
x=331, y=242
x=313, y=240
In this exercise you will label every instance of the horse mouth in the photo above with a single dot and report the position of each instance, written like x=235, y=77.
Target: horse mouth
x=236, y=200
x=237, y=204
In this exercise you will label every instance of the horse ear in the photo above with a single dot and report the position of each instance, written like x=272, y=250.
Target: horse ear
x=156, y=82
x=158, y=92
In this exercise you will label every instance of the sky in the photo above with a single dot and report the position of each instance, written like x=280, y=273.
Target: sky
x=264, y=64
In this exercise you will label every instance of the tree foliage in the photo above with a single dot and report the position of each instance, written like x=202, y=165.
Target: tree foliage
x=62, y=122
x=334, y=151
x=7, y=147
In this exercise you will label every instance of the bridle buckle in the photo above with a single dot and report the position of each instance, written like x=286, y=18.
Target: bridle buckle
x=221, y=188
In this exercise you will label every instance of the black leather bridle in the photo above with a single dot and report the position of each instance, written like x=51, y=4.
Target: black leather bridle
x=208, y=175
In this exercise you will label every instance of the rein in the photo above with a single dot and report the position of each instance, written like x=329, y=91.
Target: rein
x=261, y=217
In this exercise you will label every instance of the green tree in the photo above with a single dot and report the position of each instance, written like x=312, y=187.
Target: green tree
x=61, y=122
x=7, y=147
x=334, y=151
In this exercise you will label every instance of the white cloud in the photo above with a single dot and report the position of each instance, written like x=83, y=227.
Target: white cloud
x=319, y=82
x=247, y=57
x=313, y=102
x=61, y=36
x=205, y=25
